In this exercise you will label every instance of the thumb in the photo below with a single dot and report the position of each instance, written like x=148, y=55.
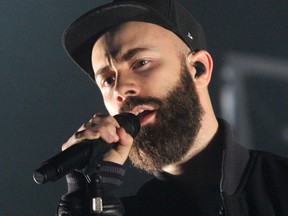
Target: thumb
x=120, y=153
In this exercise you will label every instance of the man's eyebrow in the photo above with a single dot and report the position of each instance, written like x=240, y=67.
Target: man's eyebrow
x=132, y=52
x=126, y=57
x=101, y=71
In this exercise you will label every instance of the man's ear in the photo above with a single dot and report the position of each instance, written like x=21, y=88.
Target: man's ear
x=200, y=65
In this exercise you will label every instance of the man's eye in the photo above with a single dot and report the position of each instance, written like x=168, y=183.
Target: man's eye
x=140, y=63
x=108, y=81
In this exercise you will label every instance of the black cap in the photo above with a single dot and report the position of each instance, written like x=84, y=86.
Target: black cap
x=80, y=36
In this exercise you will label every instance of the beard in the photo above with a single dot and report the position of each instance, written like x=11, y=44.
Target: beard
x=178, y=121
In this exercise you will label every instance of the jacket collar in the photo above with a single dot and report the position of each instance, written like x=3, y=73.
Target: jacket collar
x=235, y=161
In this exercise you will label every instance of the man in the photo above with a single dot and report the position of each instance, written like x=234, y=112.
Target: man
x=149, y=58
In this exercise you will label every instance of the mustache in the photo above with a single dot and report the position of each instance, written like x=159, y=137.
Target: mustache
x=134, y=101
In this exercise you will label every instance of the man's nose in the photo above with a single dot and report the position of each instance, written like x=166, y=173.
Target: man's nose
x=126, y=86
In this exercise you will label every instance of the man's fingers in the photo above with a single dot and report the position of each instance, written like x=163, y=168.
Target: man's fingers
x=99, y=126
x=108, y=129
x=80, y=136
x=120, y=153
x=125, y=139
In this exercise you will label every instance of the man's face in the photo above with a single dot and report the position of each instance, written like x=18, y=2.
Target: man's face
x=138, y=69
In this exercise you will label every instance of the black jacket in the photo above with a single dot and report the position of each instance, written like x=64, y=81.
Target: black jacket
x=253, y=183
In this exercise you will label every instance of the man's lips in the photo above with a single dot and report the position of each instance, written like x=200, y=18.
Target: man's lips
x=147, y=117
x=145, y=113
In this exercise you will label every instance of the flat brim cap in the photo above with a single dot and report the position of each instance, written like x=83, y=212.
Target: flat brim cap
x=81, y=35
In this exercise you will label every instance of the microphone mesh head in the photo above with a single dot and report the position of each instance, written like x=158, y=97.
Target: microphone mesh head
x=129, y=122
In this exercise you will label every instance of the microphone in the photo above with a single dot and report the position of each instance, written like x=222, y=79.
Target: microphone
x=77, y=156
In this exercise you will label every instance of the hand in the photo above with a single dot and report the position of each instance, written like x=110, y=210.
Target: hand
x=107, y=128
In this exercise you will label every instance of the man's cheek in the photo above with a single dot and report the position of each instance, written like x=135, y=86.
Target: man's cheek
x=112, y=108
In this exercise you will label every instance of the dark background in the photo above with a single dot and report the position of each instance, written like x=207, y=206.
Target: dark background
x=44, y=97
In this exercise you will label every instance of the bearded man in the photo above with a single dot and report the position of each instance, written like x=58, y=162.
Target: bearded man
x=149, y=58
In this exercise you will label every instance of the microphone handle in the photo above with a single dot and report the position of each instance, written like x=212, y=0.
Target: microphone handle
x=77, y=156
x=62, y=163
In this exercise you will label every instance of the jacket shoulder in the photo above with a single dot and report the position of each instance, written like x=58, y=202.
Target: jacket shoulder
x=270, y=158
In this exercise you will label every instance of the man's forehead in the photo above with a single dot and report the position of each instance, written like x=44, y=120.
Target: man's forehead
x=134, y=34
x=123, y=37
